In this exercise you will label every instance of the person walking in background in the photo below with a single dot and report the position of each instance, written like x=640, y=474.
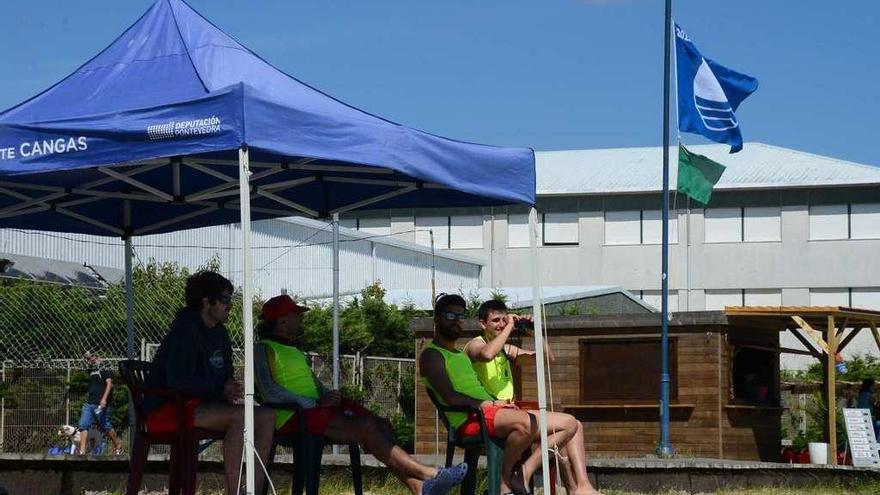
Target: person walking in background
x=283, y=375
x=97, y=406
x=195, y=359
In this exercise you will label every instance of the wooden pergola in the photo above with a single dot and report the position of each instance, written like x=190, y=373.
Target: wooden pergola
x=824, y=331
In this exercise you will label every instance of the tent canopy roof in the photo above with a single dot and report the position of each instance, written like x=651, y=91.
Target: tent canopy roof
x=144, y=138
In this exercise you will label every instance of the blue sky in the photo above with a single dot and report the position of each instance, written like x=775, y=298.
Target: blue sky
x=550, y=74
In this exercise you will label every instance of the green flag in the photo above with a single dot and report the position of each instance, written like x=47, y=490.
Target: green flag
x=697, y=175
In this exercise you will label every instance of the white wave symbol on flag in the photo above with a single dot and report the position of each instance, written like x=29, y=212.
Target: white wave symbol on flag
x=711, y=102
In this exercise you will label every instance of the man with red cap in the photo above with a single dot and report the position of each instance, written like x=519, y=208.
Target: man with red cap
x=283, y=375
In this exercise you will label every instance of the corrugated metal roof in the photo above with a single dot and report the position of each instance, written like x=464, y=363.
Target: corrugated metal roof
x=629, y=170
x=62, y=272
x=346, y=233
x=294, y=254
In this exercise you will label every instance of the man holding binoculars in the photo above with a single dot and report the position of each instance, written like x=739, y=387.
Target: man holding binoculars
x=491, y=353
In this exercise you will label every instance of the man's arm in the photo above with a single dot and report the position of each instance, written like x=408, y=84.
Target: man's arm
x=270, y=391
x=482, y=351
x=108, y=385
x=432, y=367
x=522, y=356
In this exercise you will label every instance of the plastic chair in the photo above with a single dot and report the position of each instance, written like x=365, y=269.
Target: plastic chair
x=307, y=452
x=183, y=440
x=472, y=446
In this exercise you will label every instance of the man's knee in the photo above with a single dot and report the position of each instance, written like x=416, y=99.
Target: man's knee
x=572, y=423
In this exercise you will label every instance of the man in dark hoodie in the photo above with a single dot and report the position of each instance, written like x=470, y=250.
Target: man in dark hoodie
x=195, y=358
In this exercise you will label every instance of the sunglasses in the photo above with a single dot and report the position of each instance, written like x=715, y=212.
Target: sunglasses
x=452, y=315
x=225, y=299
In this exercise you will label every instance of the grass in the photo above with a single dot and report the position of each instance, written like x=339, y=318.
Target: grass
x=380, y=482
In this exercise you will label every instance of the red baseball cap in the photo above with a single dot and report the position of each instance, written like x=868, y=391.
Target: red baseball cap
x=281, y=305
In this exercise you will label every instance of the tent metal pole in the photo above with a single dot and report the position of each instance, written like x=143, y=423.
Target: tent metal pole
x=539, y=348
x=336, y=301
x=433, y=270
x=336, y=308
x=247, y=318
x=129, y=310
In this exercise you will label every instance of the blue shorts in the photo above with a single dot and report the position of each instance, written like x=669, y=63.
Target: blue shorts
x=89, y=416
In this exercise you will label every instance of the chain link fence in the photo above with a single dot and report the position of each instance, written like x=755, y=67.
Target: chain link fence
x=45, y=328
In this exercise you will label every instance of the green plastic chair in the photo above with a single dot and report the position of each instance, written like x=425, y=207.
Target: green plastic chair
x=472, y=445
x=307, y=452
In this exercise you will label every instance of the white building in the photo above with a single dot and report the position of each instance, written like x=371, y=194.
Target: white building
x=784, y=227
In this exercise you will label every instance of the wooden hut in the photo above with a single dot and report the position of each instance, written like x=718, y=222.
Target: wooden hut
x=606, y=372
x=724, y=368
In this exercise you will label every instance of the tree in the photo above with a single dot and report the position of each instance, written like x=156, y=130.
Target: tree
x=367, y=325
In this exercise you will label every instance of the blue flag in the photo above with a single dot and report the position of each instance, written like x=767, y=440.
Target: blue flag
x=708, y=94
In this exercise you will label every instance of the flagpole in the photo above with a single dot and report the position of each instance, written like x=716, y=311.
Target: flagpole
x=664, y=448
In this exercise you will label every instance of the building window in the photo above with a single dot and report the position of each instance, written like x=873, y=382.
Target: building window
x=762, y=224
x=438, y=225
x=829, y=222
x=456, y=232
x=857, y=221
x=372, y=226
x=560, y=229
x=718, y=299
x=752, y=224
x=518, y=230
x=762, y=297
x=554, y=229
x=652, y=226
x=865, y=221
x=638, y=227
x=865, y=298
x=466, y=232
x=652, y=297
x=831, y=297
x=611, y=373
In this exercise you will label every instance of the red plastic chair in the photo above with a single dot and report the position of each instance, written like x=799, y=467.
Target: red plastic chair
x=183, y=440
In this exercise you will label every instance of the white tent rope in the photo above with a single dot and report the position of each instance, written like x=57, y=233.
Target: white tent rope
x=265, y=471
x=549, y=376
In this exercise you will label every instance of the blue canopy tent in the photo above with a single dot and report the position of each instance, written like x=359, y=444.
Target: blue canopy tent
x=176, y=125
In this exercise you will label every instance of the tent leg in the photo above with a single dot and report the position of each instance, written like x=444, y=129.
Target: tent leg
x=537, y=309
x=129, y=324
x=247, y=317
x=336, y=308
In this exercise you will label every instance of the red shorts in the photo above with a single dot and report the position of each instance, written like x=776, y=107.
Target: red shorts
x=319, y=417
x=472, y=425
x=165, y=418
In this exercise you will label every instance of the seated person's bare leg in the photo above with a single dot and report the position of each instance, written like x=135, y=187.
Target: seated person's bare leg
x=367, y=431
x=560, y=430
x=519, y=430
x=226, y=417
x=571, y=445
x=577, y=458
